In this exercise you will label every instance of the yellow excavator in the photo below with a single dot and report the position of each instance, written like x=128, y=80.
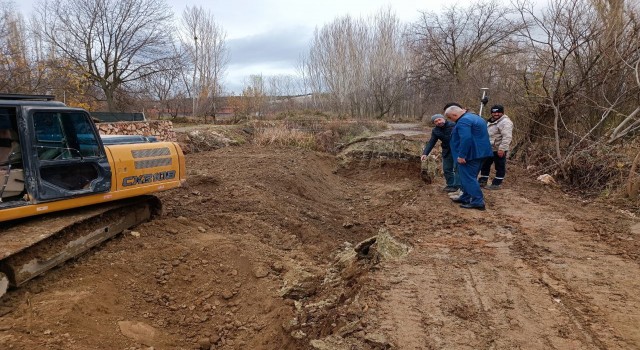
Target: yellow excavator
x=64, y=188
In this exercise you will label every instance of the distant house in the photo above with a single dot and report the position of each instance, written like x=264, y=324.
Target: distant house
x=225, y=113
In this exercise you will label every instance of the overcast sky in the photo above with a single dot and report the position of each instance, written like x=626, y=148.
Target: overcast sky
x=268, y=36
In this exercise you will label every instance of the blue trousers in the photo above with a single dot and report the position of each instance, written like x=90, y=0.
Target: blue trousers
x=468, y=172
x=450, y=170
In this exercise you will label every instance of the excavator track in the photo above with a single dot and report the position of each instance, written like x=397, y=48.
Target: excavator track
x=30, y=247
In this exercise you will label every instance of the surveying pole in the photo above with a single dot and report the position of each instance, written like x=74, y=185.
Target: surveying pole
x=484, y=99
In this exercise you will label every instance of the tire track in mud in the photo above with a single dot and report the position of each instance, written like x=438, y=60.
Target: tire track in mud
x=409, y=314
x=571, y=302
x=581, y=274
x=543, y=247
x=493, y=282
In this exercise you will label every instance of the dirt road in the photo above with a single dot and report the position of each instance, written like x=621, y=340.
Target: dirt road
x=256, y=252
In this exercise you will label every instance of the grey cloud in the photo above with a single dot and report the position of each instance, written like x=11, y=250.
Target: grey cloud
x=278, y=48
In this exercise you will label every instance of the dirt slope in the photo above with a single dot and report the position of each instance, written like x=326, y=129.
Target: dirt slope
x=256, y=252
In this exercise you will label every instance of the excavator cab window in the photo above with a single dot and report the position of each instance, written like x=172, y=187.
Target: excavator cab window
x=64, y=136
x=71, y=160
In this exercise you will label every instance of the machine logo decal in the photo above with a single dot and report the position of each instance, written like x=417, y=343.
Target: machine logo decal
x=148, y=178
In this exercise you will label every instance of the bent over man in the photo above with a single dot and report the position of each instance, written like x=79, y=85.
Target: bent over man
x=442, y=131
x=470, y=146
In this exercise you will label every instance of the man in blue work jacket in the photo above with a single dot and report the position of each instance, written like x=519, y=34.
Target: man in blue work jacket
x=470, y=146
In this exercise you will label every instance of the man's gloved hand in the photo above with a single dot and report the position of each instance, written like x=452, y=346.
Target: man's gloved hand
x=501, y=153
x=485, y=100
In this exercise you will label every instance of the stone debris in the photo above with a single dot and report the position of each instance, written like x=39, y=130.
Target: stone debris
x=299, y=284
x=207, y=140
x=377, y=339
x=331, y=342
x=139, y=332
x=261, y=272
x=429, y=169
x=547, y=179
x=388, y=247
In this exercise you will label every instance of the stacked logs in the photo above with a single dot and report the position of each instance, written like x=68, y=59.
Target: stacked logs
x=161, y=129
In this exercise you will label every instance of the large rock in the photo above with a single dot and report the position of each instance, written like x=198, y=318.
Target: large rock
x=300, y=283
x=139, y=332
x=393, y=153
x=207, y=140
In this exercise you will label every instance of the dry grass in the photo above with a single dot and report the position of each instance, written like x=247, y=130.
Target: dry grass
x=313, y=133
x=280, y=135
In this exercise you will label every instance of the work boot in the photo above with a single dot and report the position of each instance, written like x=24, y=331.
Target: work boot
x=458, y=200
x=450, y=189
x=470, y=206
x=493, y=187
x=482, y=183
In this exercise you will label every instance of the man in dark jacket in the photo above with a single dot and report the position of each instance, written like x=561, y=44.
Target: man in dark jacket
x=442, y=131
x=470, y=146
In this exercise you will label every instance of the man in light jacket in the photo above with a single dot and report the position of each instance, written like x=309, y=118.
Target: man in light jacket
x=470, y=147
x=500, y=130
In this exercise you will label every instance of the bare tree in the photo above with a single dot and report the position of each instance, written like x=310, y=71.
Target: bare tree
x=335, y=64
x=388, y=63
x=17, y=73
x=624, y=31
x=631, y=122
x=579, y=74
x=457, y=46
x=358, y=66
x=282, y=90
x=204, y=42
x=254, y=95
x=113, y=42
x=167, y=87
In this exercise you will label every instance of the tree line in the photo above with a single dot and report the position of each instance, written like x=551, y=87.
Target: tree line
x=567, y=71
x=114, y=52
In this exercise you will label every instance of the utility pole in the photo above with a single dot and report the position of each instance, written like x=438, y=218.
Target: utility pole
x=195, y=91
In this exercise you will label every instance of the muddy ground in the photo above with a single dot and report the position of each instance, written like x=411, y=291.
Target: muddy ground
x=256, y=252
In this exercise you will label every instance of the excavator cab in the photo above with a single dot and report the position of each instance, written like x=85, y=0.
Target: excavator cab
x=56, y=152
